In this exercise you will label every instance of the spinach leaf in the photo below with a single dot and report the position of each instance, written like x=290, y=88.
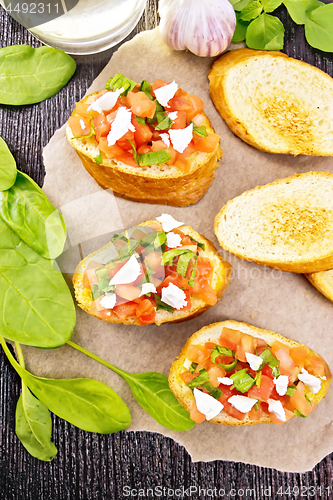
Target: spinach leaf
x=27, y=211
x=319, y=28
x=29, y=75
x=265, y=33
x=36, y=306
x=300, y=10
x=86, y=403
x=152, y=392
x=34, y=426
x=7, y=167
x=251, y=11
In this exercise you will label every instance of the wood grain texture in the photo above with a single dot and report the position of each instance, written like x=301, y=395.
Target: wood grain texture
x=93, y=467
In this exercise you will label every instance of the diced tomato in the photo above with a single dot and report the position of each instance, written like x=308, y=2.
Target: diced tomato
x=207, y=365
x=197, y=104
x=128, y=158
x=144, y=148
x=264, y=391
x=81, y=109
x=206, y=144
x=276, y=346
x=180, y=92
x=105, y=314
x=188, y=301
x=316, y=366
x=143, y=133
x=285, y=360
x=158, y=146
x=267, y=370
x=230, y=338
x=173, y=154
x=299, y=355
x=188, y=151
x=146, y=313
x=89, y=278
x=140, y=104
x=187, y=376
x=110, y=151
x=197, y=353
x=255, y=414
x=180, y=121
x=182, y=104
x=173, y=278
x=102, y=126
x=128, y=292
x=125, y=310
x=115, y=269
x=247, y=343
x=157, y=85
x=299, y=401
x=226, y=393
x=207, y=294
x=198, y=120
x=79, y=125
x=125, y=142
x=210, y=345
x=183, y=164
x=275, y=420
x=233, y=412
x=196, y=415
x=214, y=373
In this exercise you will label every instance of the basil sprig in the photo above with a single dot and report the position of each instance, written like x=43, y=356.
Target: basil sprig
x=223, y=351
x=120, y=81
x=202, y=380
x=242, y=380
x=271, y=361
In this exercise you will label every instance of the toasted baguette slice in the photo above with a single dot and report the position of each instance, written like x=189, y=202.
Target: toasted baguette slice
x=323, y=282
x=212, y=333
x=287, y=224
x=160, y=184
x=273, y=102
x=219, y=282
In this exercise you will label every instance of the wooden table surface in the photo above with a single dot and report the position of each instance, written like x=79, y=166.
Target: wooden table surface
x=127, y=464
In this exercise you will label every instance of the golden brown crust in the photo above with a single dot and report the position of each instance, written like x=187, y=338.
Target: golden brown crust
x=220, y=281
x=161, y=186
x=323, y=281
x=212, y=333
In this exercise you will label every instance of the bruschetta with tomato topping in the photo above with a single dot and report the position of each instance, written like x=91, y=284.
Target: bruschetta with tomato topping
x=147, y=142
x=158, y=272
x=232, y=373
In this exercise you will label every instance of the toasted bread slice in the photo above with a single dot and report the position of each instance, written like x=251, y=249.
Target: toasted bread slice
x=273, y=102
x=159, y=184
x=287, y=224
x=212, y=333
x=219, y=282
x=323, y=281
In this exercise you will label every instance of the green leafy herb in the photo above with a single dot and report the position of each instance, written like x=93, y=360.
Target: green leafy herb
x=257, y=378
x=299, y=414
x=215, y=392
x=162, y=305
x=266, y=32
x=146, y=88
x=29, y=75
x=140, y=120
x=270, y=5
x=7, y=166
x=120, y=81
x=253, y=9
x=183, y=262
x=128, y=250
x=160, y=239
x=152, y=392
x=319, y=28
x=192, y=367
x=199, y=379
x=164, y=124
x=223, y=351
x=271, y=361
x=99, y=159
x=33, y=286
x=240, y=31
x=91, y=133
x=167, y=257
x=194, y=270
x=291, y=390
x=152, y=158
x=27, y=211
x=256, y=406
x=308, y=400
x=102, y=273
x=200, y=131
x=242, y=381
x=200, y=245
x=300, y=10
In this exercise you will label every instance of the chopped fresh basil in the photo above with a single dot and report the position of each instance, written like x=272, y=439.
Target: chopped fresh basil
x=111, y=264
x=160, y=239
x=215, y=392
x=103, y=283
x=128, y=250
x=223, y=351
x=299, y=414
x=140, y=120
x=99, y=159
x=194, y=270
x=256, y=406
x=96, y=292
x=257, y=378
x=291, y=389
x=120, y=81
x=120, y=236
x=164, y=124
x=200, y=131
x=183, y=262
x=148, y=239
x=271, y=361
x=200, y=245
x=242, y=381
x=199, y=379
x=308, y=400
x=146, y=88
x=192, y=367
x=102, y=273
x=162, y=305
x=159, y=113
x=152, y=158
x=149, y=273
x=168, y=256
x=91, y=133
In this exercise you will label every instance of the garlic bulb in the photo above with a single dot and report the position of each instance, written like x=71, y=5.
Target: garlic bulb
x=205, y=27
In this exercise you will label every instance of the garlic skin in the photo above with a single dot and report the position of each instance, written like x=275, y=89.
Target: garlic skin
x=205, y=27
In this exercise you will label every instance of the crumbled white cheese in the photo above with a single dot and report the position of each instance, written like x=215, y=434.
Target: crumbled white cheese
x=281, y=384
x=254, y=361
x=181, y=137
x=128, y=273
x=165, y=93
x=206, y=404
x=242, y=403
x=314, y=383
x=109, y=301
x=323, y=378
x=276, y=407
x=120, y=125
x=82, y=124
x=187, y=364
x=173, y=240
x=173, y=115
x=165, y=138
x=225, y=380
x=147, y=288
x=168, y=222
x=174, y=296
x=106, y=102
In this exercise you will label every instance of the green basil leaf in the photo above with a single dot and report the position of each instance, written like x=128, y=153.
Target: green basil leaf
x=102, y=273
x=29, y=75
x=242, y=381
x=300, y=10
x=257, y=378
x=224, y=351
x=270, y=5
x=27, y=211
x=256, y=406
x=265, y=33
x=160, y=239
x=308, y=400
x=167, y=257
x=128, y=250
x=32, y=286
x=271, y=361
x=183, y=262
x=8, y=169
x=120, y=81
x=140, y=120
x=291, y=390
x=153, y=158
x=146, y=88
x=199, y=379
x=164, y=124
x=200, y=131
x=240, y=31
x=162, y=305
x=192, y=367
x=91, y=133
x=319, y=28
x=86, y=403
x=215, y=392
x=200, y=245
x=152, y=392
x=194, y=270
x=299, y=414
x=33, y=426
x=99, y=159
x=251, y=11
x=239, y=5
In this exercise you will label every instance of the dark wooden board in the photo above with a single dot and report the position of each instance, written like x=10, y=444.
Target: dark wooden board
x=94, y=467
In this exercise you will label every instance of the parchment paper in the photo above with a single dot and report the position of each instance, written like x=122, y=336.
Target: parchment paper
x=281, y=302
